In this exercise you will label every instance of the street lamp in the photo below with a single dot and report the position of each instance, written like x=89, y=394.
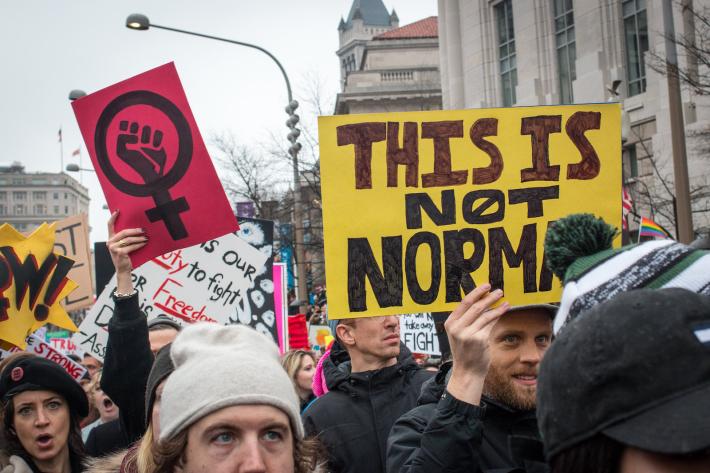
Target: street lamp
x=75, y=168
x=76, y=94
x=137, y=21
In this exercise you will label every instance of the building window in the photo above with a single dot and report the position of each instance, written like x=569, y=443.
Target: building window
x=18, y=181
x=506, y=51
x=3, y=209
x=56, y=196
x=56, y=209
x=630, y=162
x=19, y=209
x=3, y=195
x=66, y=209
x=19, y=195
x=636, y=39
x=566, y=48
x=39, y=195
x=40, y=209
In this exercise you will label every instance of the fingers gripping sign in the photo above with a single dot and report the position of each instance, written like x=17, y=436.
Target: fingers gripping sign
x=468, y=328
x=120, y=246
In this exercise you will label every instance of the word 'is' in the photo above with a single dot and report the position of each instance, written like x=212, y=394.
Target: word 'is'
x=363, y=135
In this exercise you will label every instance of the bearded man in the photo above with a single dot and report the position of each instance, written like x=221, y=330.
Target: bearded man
x=478, y=413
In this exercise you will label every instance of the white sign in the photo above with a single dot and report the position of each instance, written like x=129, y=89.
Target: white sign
x=41, y=348
x=201, y=283
x=418, y=333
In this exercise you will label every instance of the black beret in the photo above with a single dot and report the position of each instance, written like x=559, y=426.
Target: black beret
x=36, y=374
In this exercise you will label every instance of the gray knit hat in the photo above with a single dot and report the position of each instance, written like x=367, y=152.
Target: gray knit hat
x=222, y=366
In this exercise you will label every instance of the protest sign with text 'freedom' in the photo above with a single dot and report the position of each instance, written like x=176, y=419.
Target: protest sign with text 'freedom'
x=201, y=283
x=421, y=207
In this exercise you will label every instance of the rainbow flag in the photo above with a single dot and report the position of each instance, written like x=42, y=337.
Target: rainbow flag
x=649, y=228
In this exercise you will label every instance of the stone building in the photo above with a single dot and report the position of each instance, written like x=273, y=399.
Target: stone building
x=385, y=67
x=542, y=52
x=29, y=199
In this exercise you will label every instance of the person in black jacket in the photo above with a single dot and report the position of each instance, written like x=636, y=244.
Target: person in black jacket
x=132, y=341
x=372, y=380
x=478, y=415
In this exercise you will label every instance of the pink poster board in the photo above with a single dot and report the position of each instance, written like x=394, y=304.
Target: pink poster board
x=152, y=163
x=281, y=305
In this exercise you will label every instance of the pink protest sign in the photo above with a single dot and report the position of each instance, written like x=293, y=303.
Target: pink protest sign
x=281, y=305
x=152, y=163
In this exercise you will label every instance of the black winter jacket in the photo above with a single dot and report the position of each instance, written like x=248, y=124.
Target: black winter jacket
x=444, y=434
x=127, y=365
x=354, y=418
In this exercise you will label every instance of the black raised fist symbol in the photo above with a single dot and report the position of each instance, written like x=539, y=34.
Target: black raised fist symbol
x=148, y=159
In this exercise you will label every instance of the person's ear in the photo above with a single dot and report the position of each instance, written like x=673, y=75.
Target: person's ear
x=345, y=335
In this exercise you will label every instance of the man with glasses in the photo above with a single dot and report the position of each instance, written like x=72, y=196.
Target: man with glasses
x=372, y=380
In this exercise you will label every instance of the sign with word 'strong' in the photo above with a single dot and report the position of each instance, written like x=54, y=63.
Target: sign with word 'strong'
x=72, y=240
x=204, y=282
x=152, y=163
x=421, y=207
x=39, y=347
x=33, y=280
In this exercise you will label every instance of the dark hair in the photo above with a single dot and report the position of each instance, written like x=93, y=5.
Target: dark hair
x=598, y=454
x=170, y=454
x=12, y=445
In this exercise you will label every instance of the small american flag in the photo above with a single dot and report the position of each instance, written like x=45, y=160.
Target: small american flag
x=626, y=206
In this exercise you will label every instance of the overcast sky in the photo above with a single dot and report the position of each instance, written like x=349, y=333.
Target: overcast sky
x=49, y=47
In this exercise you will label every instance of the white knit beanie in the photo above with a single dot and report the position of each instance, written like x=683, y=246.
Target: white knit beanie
x=220, y=366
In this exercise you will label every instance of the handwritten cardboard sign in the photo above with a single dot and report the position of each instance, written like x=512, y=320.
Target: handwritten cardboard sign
x=419, y=208
x=41, y=348
x=204, y=282
x=152, y=163
x=72, y=240
x=418, y=333
x=33, y=281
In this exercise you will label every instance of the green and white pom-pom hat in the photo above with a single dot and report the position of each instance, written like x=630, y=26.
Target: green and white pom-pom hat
x=578, y=251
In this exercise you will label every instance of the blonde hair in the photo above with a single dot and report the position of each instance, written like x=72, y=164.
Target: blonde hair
x=291, y=361
x=141, y=459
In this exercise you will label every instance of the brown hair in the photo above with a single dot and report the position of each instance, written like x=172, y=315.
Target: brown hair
x=12, y=444
x=308, y=454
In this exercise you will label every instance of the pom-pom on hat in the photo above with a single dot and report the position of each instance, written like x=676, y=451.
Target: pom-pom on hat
x=222, y=366
x=39, y=374
x=578, y=250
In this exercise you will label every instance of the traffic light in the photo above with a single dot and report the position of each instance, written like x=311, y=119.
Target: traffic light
x=291, y=123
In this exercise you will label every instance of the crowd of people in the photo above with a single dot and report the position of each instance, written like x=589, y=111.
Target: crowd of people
x=614, y=379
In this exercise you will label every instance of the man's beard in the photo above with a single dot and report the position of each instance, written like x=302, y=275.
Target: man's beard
x=499, y=386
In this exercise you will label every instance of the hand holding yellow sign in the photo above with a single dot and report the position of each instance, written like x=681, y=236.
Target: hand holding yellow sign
x=420, y=208
x=32, y=282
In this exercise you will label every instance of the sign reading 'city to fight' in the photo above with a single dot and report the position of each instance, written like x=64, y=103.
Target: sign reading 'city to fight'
x=421, y=207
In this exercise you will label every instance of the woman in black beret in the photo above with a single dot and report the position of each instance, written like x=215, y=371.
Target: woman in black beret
x=41, y=408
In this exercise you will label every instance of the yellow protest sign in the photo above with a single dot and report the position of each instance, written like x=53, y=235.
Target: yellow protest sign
x=421, y=207
x=32, y=282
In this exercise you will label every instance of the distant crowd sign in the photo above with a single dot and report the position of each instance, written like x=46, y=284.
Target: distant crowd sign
x=421, y=207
